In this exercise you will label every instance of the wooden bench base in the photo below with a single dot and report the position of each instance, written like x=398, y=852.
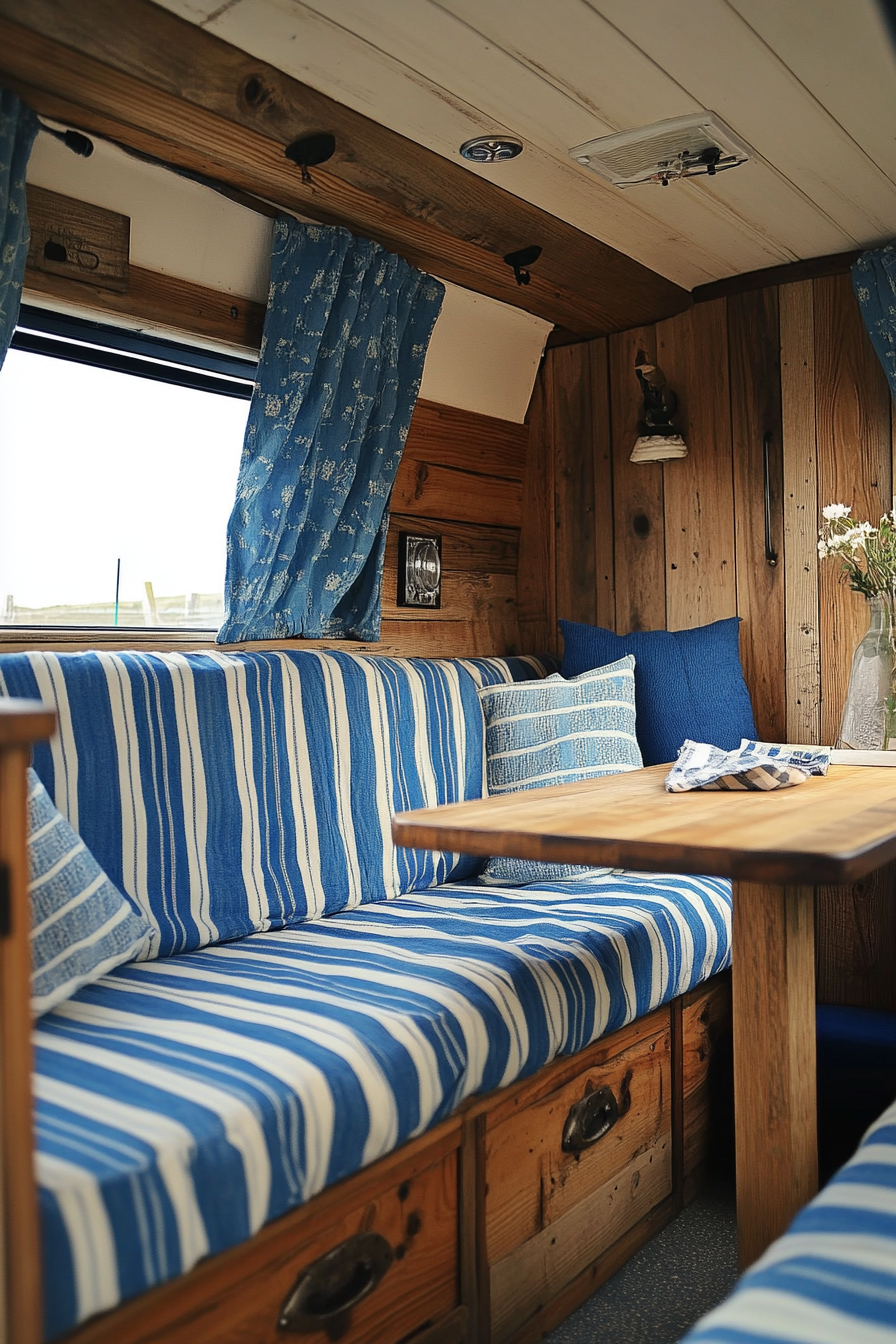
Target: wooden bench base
x=496, y=1233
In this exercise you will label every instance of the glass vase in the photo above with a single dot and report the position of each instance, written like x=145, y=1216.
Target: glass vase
x=869, y=714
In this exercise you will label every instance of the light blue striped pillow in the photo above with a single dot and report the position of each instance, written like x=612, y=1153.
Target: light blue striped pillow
x=81, y=925
x=556, y=731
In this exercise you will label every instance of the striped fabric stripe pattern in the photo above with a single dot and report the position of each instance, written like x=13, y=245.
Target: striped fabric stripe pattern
x=557, y=731
x=228, y=794
x=81, y=926
x=184, y=1102
x=831, y=1279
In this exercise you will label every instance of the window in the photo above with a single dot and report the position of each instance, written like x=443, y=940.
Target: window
x=118, y=464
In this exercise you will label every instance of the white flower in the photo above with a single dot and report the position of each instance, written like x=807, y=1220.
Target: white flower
x=832, y=511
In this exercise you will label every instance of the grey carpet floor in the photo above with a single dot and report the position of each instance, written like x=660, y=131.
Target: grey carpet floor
x=671, y=1282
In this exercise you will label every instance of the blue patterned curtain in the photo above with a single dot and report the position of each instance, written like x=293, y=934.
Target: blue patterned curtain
x=874, y=282
x=345, y=336
x=18, y=127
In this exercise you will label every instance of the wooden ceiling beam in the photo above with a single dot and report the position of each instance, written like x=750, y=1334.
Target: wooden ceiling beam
x=138, y=75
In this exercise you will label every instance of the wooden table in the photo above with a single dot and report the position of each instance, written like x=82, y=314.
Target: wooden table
x=777, y=847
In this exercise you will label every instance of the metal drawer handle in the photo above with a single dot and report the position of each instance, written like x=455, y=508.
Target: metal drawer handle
x=589, y=1120
x=326, y=1291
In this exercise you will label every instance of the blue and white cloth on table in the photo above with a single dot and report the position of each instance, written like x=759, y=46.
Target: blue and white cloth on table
x=752, y=766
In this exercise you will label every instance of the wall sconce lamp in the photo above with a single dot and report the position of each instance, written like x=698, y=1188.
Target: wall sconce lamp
x=310, y=150
x=658, y=438
x=525, y=256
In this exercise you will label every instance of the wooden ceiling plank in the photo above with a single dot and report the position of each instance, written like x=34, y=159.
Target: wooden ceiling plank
x=856, y=44
x=709, y=49
x=146, y=64
x=453, y=53
x=377, y=62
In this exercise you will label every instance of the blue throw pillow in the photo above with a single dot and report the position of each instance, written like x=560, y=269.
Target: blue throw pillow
x=688, y=683
x=557, y=731
x=81, y=925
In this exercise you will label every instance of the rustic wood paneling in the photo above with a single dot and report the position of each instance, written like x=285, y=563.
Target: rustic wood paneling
x=160, y=301
x=698, y=490
x=796, y=361
x=639, y=534
x=798, y=434
x=573, y=432
x=93, y=244
x=753, y=346
x=149, y=79
x=604, y=558
x=467, y=440
x=854, y=467
x=537, y=594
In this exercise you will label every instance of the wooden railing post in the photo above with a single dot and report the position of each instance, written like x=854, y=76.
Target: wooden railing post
x=21, y=723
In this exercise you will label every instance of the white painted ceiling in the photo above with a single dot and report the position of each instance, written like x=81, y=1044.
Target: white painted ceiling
x=809, y=84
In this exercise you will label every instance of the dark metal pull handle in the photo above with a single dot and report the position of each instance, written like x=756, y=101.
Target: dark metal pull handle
x=589, y=1120
x=771, y=555
x=326, y=1291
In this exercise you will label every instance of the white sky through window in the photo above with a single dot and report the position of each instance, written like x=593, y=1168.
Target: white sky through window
x=97, y=465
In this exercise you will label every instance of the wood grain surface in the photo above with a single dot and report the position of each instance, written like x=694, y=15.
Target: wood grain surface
x=773, y=1011
x=151, y=80
x=754, y=355
x=833, y=828
x=640, y=549
x=234, y=1297
x=531, y=1183
x=21, y=1301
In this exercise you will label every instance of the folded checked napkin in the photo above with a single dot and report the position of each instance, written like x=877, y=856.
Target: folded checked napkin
x=753, y=765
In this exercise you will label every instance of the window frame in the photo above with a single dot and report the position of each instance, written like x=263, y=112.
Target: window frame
x=82, y=340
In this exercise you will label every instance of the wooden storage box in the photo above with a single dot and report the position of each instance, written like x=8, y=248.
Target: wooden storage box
x=407, y=1203
x=557, y=1198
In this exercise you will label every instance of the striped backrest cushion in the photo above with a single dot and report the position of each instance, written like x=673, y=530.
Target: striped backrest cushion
x=228, y=793
x=81, y=925
x=556, y=732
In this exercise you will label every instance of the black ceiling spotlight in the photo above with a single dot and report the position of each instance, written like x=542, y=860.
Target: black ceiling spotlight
x=76, y=142
x=310, y=150
x=525, y=256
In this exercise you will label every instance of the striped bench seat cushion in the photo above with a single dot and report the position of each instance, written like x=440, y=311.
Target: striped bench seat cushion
x=231, y=793
x=831, y=1279
x=184, y=1102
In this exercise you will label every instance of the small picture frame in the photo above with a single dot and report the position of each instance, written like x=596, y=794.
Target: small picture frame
x=419, y=571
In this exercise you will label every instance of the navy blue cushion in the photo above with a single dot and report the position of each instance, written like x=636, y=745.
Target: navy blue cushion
x=688, y=683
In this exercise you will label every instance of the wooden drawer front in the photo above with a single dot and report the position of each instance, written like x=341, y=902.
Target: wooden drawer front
x=704, y=1020
x=550, y=1213
x=240, y=1302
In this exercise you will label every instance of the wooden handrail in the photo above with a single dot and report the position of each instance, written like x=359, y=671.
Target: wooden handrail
x=22, y=722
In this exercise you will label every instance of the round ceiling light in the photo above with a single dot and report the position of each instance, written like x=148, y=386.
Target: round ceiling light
x=490, y=149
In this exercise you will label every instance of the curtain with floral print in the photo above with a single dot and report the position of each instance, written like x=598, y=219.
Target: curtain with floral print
x=18, y=127
x=345, y=336
x=874, y=282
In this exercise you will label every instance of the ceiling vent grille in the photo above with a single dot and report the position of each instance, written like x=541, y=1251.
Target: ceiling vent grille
x=694, y=146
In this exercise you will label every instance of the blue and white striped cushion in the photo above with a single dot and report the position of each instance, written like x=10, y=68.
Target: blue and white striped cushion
x=230, y=793
x=81, y=926
x=557, y=731
x=831, y=1279
x=182, y=1103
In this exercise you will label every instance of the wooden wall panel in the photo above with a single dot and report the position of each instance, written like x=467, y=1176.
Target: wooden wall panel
x=604, y=558
x=854, y=467
x=639, y=536
x=688, y=536
x=802, y=650
x=701, y=583
x=573, y=431
x=536, y=578
x=753, y=346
